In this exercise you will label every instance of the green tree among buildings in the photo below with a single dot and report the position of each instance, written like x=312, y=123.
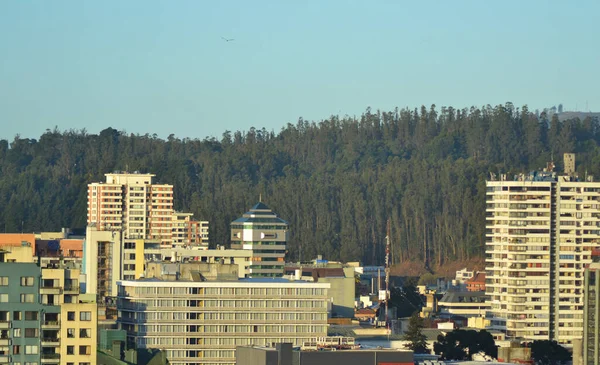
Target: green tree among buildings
x=417, y=340
x=463, y=344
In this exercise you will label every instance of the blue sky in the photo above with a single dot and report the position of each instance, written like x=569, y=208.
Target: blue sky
x=162, y=67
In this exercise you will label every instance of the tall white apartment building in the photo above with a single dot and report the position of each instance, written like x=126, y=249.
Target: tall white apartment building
x=540, y=232
x=202, y=322
x=132, y=204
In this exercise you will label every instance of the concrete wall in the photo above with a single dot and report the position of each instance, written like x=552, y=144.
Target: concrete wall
x=342, y=294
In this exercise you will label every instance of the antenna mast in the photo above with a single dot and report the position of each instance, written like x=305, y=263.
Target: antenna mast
x=387, y=272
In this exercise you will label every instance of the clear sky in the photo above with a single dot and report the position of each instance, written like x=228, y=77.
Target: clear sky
x=162, y=66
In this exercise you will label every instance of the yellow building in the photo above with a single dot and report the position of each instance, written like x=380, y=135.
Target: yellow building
x=16, y=254
x=78, y=333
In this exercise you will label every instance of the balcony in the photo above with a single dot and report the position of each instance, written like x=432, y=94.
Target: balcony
x=71, y=289
x=50, y=341
x=4, y=325
x=4, y=341
x=51, y=325
x=50, y=290
x=50, y=358
x=4, y=359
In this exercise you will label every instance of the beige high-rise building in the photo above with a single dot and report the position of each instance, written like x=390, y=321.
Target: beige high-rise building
x=540, y=232
x=132, y=204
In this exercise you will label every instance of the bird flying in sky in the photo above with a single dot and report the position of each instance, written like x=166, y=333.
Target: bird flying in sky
x=227, y=39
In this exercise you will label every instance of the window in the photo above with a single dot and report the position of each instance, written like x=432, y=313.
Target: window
x=31, y=316
x=70, y=316
x=16, y=332
x=3, y=298
x=70, y=332
x=16, y=316
x=84, y=363
x=26, y=280
x=3, y=280
x=85, y=333
x=70, y=350
x=31, y=350
x=27, y=298
x=31, y=332
x=16, y=349
x=84, y=350
x=70, y=363
x=85, y=316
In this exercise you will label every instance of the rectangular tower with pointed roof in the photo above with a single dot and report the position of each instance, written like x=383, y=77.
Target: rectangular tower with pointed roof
x=265, y=234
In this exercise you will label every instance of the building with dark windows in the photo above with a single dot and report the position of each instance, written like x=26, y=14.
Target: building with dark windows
x=265, y=234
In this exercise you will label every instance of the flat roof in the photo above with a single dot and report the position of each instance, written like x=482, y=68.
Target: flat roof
x=241, y=283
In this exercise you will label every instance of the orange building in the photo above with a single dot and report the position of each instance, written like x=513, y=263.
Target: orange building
x=477, y=282
x=18, y=239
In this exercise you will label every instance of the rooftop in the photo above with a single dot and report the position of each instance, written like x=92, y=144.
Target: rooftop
x=464, y=297
x=260, y=213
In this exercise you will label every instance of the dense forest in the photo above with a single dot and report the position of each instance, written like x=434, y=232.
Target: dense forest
x=337, y=181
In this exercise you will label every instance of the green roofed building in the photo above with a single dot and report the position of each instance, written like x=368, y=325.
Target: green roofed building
x=265, y=234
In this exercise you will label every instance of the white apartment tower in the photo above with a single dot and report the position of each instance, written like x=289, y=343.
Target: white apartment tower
x=540, y=232
x=132, y=204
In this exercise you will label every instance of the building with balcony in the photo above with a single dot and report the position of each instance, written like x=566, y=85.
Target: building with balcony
x=187, y=232
x=132, y=204
x=262, y=232
x=202, y=322
x=591, y=317
x=78, y=332
x=541, y=229
x=33, y=304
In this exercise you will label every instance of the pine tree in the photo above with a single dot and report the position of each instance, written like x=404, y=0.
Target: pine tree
x=417, y=340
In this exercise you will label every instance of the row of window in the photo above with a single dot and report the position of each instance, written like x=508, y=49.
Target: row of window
x=233, y=304
x=24, y=298
x=260, y=292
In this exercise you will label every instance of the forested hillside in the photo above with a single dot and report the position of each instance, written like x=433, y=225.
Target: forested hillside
x=336, y=182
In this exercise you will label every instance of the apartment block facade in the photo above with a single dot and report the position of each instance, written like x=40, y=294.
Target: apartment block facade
x=203, y=322
x=541, y=229
x=33, y=320
x=140, y=209
x=591, y=334
x=261, y=231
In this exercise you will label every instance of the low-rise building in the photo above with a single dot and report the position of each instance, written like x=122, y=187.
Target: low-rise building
x=477, y=282
x=463, y=303
x=283, y=354
x=343, y=285
x=242, y=258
